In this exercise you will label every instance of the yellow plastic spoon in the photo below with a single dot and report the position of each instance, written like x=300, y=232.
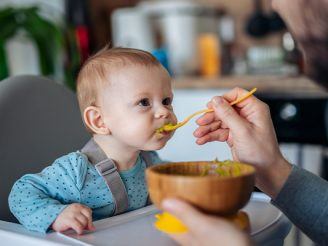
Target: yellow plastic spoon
x=171, y=127
x=168, y=223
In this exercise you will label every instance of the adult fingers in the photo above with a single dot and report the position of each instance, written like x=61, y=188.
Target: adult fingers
x=206, y=119
x=185, y=212
x=218, y=135
x=227, y=114
x=234, y=94
x=203, y=130
x=184, y=239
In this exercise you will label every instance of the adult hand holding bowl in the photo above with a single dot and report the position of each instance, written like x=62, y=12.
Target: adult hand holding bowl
x=219, y=188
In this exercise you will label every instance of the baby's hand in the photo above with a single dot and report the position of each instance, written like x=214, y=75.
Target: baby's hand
x=75, y=216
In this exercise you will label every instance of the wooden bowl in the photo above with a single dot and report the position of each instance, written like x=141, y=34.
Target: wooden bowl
x=211, y=194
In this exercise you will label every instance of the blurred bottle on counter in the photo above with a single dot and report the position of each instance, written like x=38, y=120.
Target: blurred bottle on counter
x=240, y=66
x=132, y=28
x=180, y=23
x=162, y=57
x=77, y=19
x=293, y=56
x=209, y=52
x=227, y=37
x=77, y=37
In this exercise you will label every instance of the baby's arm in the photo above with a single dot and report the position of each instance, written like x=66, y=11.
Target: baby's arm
x=32, y=203
x=75, y=216
x=37, y=199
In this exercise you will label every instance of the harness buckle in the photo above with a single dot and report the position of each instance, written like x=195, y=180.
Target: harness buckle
x=105, y=167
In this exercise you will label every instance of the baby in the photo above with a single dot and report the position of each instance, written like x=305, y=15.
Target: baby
x=124, y=96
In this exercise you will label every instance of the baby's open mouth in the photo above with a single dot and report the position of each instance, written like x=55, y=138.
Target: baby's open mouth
x=166, y=128
x=161, y=132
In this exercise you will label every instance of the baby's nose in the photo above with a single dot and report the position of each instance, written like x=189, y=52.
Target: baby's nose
x=162, y=112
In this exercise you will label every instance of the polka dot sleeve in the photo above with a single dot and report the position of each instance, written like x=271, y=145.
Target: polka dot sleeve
x=37, y=199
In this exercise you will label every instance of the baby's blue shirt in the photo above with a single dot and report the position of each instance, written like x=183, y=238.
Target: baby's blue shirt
x=37, y=199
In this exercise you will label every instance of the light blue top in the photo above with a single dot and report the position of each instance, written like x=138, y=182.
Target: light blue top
x=37, y=199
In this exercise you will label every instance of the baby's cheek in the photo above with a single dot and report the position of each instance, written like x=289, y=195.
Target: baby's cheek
x=143, y=129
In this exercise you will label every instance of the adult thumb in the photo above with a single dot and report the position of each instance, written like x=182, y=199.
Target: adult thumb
x=189, y=215
x=227, y=114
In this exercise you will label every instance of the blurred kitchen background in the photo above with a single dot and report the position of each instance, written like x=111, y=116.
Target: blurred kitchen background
x=207, y=38
x=208, y=46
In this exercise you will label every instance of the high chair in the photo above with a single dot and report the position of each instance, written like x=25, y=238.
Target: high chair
x=39, y=121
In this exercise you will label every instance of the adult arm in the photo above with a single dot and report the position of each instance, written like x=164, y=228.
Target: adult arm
x=304, y=200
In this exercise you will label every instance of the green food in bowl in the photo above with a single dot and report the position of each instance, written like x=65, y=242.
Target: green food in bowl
x=222, y=169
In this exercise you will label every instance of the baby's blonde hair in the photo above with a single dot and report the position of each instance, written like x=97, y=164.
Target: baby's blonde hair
x=94, y=74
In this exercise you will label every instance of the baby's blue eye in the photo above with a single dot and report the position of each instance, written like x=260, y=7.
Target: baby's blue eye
x=167, y=101
x=144, y=102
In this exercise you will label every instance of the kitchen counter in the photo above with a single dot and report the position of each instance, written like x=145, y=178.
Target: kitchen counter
x=265, y=84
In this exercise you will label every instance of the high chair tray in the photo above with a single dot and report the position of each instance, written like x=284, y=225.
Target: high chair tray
x=268, y=227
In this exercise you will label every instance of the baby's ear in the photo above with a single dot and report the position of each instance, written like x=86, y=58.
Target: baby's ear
x=94, y=121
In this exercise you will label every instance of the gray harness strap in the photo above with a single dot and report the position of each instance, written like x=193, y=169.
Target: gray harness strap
x=107, y=169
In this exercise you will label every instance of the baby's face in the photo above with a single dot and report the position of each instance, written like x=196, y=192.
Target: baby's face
x=136, y=103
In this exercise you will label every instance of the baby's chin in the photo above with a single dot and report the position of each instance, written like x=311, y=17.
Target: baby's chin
x=159, y=143
x=160, y=146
